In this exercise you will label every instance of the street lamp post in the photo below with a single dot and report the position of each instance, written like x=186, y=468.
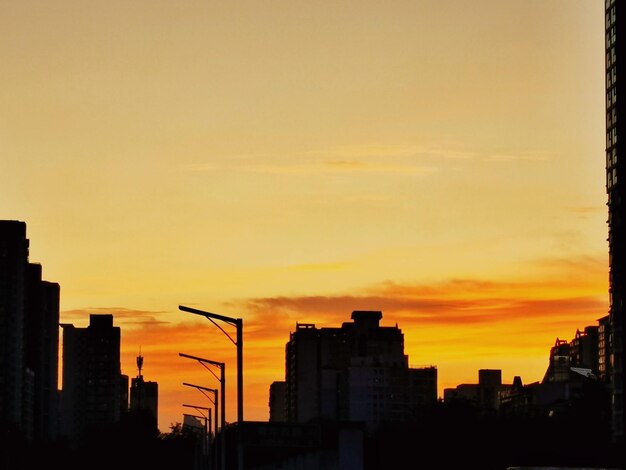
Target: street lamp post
x=214, y=399
x=207, y=427
x=221, y=378
x=238, y=342
x=238, y=323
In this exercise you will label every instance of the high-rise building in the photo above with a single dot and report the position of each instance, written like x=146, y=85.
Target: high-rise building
x=616, y=191
x=41, y=350
x=358, y=372
x=13, y=263
x=29, y=339
x=144, y=395
x=124, y=394
x=91, y=377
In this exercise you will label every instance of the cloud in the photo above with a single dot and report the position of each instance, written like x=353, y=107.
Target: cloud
x=346, y=164
x=122, y=315
x=200, y=167
x=326, y=167
x=585, y=211
x=589, y=268
x=396, y=152
x=319, y=266
x=395, y=159
x=453, y=303
x=529, y=157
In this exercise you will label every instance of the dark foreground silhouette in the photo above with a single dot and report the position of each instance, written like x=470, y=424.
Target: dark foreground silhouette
x=453, y=435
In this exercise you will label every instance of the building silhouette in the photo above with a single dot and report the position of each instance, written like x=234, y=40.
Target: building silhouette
x=579, y=356
x=41, y=351
x=144, y=395
x=302, y=446
x=13, y=262
x=604, y=349
x=617, y=210
x=357, y=372
x=484, y=395
x=29, y=316
x=124, y=395
x=277, y=401
x=92, y=392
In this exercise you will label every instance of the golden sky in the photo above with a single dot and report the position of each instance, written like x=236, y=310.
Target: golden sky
x=289, y=161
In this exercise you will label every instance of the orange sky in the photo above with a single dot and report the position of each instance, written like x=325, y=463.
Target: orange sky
x=283, y=162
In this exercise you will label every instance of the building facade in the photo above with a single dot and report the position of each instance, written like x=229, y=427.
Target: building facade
x=29, y=337
x=144, y=396
x=13, y=262
x=277, y=402
x=617, y=210
x=91, y=377
x=357, y=372
x=604, y=350
x=41, y=350
x=485, y=395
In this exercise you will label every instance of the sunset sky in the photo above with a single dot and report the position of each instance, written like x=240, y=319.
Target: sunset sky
x=291, y=161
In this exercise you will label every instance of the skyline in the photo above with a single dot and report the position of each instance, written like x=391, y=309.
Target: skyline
x=323, y=160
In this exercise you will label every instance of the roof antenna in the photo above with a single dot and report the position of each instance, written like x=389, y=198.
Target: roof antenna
x=139, y=362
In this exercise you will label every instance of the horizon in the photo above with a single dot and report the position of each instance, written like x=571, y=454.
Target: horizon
x=437, y=161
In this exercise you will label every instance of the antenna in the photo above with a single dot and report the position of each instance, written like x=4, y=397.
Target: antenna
x=139, y=362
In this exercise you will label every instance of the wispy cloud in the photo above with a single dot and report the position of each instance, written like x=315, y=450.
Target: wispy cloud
x=587, y=267
x=411, y=159
x=396, y=152
x=122, y=315
x=584, y=212
x=427, y=305
x=530, y=157
x=405, y=159
x=199, y=167
x=327, y=167
x=319, y=267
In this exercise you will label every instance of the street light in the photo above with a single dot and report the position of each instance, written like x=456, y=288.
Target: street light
x=214, y=399
x=222, y=379
x=238, y=324
x=207, y=427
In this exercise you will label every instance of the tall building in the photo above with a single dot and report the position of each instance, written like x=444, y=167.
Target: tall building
x=41, y=350
x=91, y=377
x=584, y=348
x=123, y=394
x=29, y=338
x=13, y=263
x=357, y=372
x=144, y=395
x=617, y=210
